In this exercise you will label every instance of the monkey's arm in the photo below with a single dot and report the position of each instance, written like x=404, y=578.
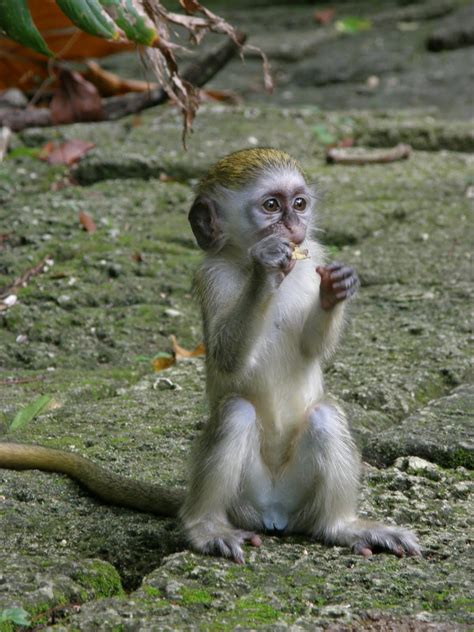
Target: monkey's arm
x=323, y=326
x=232, y=325
x=110, y=487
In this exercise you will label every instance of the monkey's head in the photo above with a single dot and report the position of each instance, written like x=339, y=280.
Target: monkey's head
x=248, y=195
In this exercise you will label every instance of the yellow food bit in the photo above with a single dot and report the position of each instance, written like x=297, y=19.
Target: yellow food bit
x=298, y=253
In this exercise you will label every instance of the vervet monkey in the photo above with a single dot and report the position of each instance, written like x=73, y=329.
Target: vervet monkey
x=276, y=454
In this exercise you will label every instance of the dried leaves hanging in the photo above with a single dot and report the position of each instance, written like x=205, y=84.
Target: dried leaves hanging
x=119, y=23
x=163, y=60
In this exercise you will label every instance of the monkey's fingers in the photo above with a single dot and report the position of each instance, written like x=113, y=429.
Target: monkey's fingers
x=255, y=540
x=335, y=265
x=345, y=283
x=342, y=272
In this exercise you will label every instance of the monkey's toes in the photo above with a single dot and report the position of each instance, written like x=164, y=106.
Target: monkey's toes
x=255, y=540
x=393, y=541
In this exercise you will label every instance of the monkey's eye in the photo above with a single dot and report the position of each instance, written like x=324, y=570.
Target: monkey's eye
x=299, y=204
x=271, y=205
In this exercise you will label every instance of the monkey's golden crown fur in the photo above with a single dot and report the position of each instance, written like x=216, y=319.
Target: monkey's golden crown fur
x=246, y=165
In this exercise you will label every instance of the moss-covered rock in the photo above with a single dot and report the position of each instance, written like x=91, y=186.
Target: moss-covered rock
x=85, y=330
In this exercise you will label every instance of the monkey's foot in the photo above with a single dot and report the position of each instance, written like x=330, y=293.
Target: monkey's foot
x=226, y=542
x=382, y=539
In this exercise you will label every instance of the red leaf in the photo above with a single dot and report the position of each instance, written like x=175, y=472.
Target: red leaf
x=324, y=16
x=66, y=153
x=75, y=99
x=87, y=222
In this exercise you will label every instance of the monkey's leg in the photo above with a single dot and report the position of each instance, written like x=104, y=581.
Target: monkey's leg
x=332, y=509
x=225, y=448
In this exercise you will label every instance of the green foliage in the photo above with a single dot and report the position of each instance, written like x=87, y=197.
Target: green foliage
x=91, y=16
x=16, y=23
x=28, y=413
x=351, y=25
x=18, y=616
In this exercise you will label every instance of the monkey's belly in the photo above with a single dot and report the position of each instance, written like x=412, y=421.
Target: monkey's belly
x=273, y=501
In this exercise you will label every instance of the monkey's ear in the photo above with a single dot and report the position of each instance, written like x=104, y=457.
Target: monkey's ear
x=205, y=223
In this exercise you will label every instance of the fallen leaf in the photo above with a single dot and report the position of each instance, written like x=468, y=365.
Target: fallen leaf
x=87, y=223
x=181, y=352
x=66, y=153
x=163, y=361
x=28, y=413
x=346, y=142
x=75, y=99
x=352, y=25
x=324, y=16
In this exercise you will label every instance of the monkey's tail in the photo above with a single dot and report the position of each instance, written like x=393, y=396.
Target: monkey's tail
x=108, y=486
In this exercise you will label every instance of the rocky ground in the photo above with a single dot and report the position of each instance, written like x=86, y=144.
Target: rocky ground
x=85, y=330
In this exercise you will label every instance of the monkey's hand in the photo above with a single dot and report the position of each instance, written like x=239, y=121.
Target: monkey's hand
x=272, y=255
x=338, y=283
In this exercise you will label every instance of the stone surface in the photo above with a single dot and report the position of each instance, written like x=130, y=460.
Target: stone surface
x=86, y=330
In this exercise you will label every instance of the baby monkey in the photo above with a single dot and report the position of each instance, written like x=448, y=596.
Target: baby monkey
x=276, y=454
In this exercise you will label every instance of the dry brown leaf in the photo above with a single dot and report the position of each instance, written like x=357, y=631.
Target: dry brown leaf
x=181, y=352
x=87, y=223
x=75, y=99
x=66, y=153
x=163, y=362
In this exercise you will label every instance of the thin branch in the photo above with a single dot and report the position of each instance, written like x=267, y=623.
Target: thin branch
x=23, y=279
x=362, y=156
x=198, y=73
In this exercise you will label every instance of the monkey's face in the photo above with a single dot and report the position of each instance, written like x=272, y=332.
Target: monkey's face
x=277, y=202
x=280, y=203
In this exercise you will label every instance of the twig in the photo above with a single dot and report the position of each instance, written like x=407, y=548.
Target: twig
x=23, y=279
x=22, y=380
x=362, y=156
x=5, y=135
x=117, y=107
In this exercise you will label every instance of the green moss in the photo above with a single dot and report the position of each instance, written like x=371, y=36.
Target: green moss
x=151, y=591
x=192, y=596
x=461, y=456
x=101, y=579
x=253, y=611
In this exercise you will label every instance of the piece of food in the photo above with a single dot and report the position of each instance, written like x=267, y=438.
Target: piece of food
x=299, y=253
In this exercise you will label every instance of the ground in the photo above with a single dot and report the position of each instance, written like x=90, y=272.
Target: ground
x=86, y=329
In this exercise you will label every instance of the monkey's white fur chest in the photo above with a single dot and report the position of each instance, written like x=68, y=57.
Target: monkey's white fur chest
x=283, y=384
